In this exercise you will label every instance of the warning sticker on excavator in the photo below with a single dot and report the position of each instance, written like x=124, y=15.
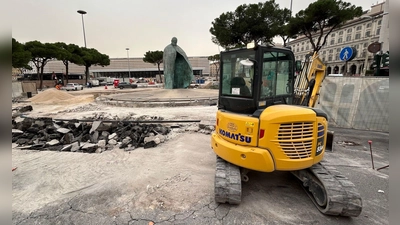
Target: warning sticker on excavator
x=249, y=124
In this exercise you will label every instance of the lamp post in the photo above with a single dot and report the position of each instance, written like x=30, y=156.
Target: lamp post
x=83, y=25
x=372, y=18
x=129, y=68
x=84, y=39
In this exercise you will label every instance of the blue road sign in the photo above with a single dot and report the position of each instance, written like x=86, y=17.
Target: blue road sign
x=346, y=54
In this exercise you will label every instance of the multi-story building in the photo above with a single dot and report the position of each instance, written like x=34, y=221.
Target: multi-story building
x=357, y=33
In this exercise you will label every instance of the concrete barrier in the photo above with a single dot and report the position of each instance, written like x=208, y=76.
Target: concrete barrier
x=356, y=102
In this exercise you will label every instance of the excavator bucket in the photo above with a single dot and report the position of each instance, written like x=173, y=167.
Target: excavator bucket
x=329, y=141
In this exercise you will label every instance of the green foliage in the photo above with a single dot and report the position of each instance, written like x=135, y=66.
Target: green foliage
x=40, y=55
x=20, y=57
x=320, y=18
x=214, y=58
x=283, y=31
x=68, y=53
x=253, y=22
x=156, y=58
x=91, y=57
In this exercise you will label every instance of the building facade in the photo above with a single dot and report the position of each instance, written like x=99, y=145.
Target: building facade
x=357, y=33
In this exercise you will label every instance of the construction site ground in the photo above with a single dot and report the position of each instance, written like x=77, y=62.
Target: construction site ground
x=173, y=183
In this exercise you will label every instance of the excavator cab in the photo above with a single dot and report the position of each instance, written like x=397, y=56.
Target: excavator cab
x=256, y=78
x=266, y=121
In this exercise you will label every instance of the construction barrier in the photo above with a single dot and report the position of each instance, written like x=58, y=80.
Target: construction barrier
x=356, y=102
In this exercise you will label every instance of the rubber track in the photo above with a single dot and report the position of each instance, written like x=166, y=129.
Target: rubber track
x=342, y=196
x=228, y=184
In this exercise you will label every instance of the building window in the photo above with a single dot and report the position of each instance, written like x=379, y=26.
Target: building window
x=378, y=31
x=379, y=22
x=332, y=41
x=337, y=57
x=356, y=46
x=330, y=50
x=302, y=48
x=340, y=40
x=365, y=45
x=369, y=25
x=340, y=32
x=338, y=50
x=307, y=47
x=349, y=30
x=358, y=28
x=324, y=52
x=330, y=58
x=348, y=38
x=302, y=43
x=333, y=35
x=297, y=49
x=358, y=36
x=368, y=33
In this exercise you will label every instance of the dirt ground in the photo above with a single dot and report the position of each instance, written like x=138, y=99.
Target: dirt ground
x=173, y=183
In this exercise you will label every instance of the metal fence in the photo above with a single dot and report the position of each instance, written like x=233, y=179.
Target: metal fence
x=356, y=102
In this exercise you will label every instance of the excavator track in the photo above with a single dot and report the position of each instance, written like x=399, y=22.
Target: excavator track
x=331, y=192
x=228, y=184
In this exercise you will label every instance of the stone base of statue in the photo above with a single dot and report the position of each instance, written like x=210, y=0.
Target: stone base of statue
x=158, y=97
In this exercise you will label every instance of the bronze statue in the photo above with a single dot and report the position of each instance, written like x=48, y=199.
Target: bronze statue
x=178, y=72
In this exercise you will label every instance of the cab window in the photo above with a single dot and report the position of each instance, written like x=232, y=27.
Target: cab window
x=236, y=76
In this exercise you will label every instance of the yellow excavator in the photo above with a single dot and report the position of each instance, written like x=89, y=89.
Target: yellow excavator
x=266, y=121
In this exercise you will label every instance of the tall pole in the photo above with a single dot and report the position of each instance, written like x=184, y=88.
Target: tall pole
x=291, y=3
x=82, y=12
x=129, y=68
x=83, y=25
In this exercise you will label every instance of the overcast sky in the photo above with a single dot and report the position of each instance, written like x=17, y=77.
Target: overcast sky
x=141, y=25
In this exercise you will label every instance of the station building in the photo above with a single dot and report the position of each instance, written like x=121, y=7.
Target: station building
x=120, y=68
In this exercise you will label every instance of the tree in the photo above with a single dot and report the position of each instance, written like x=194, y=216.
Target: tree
x=215, y=61
x=68, y=53
x=254, y=22
x=320, y=18
x=154, y=57
x=90, y=57
x=284, y=18
x=20, y=57
x=40, y=55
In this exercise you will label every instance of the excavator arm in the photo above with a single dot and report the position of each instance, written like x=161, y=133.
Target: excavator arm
x=308, y=81
x=307, y=87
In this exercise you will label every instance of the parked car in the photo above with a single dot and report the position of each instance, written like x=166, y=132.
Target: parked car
x=122, y=85
x=73, y=87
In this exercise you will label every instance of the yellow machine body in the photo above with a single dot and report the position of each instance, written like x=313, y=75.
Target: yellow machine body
x=283, y=138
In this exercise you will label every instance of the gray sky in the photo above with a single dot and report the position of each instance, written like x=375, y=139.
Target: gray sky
x=113, y=25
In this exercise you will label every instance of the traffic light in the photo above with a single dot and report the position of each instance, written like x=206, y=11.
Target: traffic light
x=376, y=63
x=385, y=59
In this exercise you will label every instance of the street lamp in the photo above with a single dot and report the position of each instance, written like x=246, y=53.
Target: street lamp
x=129, y=68
x=84, y=39
x=372, y=18
x=83, y=25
